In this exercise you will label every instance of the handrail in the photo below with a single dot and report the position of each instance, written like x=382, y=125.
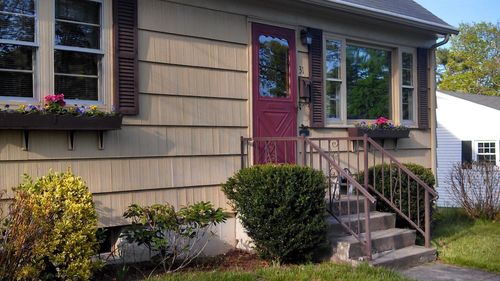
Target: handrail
x=353, y=181
x=402, y=167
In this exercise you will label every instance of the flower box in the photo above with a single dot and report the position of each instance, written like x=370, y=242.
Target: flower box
x=380, y=133
x=47, y=121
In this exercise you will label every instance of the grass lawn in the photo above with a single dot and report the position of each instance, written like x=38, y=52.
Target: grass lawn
x=316, y=272
x=466, y=242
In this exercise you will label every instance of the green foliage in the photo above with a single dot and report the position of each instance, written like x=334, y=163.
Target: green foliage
x=471, y=63
x=66, y=252
x=317, y=272
x=178, y=237
x=282, y=209
x=400, y=196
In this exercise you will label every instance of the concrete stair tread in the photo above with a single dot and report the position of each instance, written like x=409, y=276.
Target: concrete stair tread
x=404, y=257
x=379, y=234
x=354, y=217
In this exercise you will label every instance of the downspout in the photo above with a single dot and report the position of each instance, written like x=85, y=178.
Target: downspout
x=434, y=107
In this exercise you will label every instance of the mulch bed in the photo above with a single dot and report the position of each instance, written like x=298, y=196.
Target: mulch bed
x=230, y=261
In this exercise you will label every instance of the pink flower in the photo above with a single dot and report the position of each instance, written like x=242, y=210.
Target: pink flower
x=381, y=121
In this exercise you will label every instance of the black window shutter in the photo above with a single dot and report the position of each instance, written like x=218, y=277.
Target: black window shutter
x=316, y=73
x=126, y=68
x=466, y=153
x=423, y=88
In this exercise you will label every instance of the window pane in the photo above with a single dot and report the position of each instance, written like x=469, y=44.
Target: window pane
x=16, y=57
x=83, y=88
x=273, y=67
x=487, y=158
x=332, y=99
x=76, y=63
x=26, y=7
x=407, y=60
x=77, y=10
x=368, y=82
x=77, y=35
x=407, y=104
x=16, y=84
x=14, y=27
x=333, y=59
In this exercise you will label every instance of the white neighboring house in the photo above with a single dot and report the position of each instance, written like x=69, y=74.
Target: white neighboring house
x=468, y=129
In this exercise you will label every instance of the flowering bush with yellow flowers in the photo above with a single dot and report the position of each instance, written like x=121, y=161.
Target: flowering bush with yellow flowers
x=55, y=104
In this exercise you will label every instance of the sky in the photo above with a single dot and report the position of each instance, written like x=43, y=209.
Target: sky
x=457, y=11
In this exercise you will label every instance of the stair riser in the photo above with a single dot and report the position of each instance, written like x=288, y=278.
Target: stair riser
x=357, y=249
x=409, y=261
x=377, y=223
x=349, y=207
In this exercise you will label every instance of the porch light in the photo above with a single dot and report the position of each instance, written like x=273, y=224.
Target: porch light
x=305, y=37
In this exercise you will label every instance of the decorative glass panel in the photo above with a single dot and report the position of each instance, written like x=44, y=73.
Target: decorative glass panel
x=77, y=10
x=332, y=99
x=407, y=104
x=17, y=27
x=76, y=87
x=368, y=82
x=333, y=59
x=25, y=7
x=273, y=67
x=16, y=71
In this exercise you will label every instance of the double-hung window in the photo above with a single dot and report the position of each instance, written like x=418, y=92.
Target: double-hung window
x=407, y=87
x=486, y=151
x=333, y=79
x=17, y=48
x=77, y=51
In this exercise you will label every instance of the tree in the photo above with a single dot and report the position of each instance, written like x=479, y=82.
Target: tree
x=471, y=64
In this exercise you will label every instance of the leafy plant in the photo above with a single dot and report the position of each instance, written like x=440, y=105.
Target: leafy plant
x=282, y=208
x=476, y=188
x=67, y=250
x=392, y=186
x=177, y=237
x=380, y=123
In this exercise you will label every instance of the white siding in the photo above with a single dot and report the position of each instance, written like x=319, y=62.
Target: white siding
x=460, y=120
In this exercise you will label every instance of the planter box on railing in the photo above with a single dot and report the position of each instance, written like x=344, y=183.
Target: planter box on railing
x=36, y=121
x=379, y=133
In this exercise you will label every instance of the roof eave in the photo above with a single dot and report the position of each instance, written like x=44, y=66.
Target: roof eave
x=385, y=15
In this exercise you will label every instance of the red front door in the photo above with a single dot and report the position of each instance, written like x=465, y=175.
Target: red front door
x=274, y=92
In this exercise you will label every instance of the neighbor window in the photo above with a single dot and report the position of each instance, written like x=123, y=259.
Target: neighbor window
x=333, y=78
x=486, y=152
x=407, y=87
x=77, y=54
x=368, y=81
x=17, y=48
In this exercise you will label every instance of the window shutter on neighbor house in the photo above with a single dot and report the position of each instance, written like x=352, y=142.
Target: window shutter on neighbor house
x=125, y=48
x=316, y=63
x=423, y=88
x=466, y=153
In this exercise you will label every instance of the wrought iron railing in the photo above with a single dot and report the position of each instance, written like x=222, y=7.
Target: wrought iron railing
x=345, y=161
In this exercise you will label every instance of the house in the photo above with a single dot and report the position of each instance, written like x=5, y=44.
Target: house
x=467, y=130
x=191, y=77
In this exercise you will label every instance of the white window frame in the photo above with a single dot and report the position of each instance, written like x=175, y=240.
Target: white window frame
x=475, y=150
x=412, y=120
x=100, y=95
x=342, y=74
x=35, y=55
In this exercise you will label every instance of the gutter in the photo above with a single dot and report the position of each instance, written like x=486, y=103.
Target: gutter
x=438, y=44
x=385, y=15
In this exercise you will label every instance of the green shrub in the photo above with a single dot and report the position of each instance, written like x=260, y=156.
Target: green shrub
x=282, y=208
x=178, y=237
x=66, y=252
x=423, y=173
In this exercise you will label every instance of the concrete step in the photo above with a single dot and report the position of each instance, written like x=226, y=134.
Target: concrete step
x=405, y=257
x=378, y=221
x=349, y=248
x=347, y=205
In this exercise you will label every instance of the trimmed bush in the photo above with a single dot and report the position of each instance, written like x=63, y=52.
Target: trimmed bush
x=423, y=173
x=66, y=251
x=282, y=208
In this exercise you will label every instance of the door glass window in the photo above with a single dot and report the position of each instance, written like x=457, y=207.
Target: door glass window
x=273, y=67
